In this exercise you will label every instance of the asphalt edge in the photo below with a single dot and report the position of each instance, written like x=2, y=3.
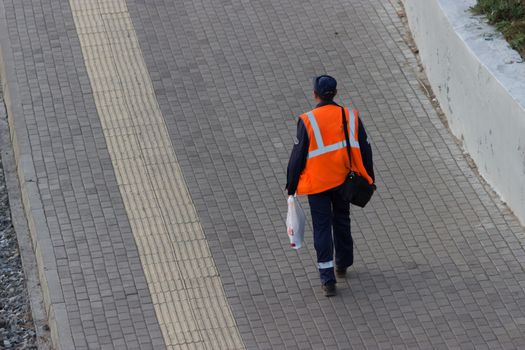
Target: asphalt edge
x=32, y=231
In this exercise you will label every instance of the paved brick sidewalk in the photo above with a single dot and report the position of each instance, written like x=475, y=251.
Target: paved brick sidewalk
x=439, y=260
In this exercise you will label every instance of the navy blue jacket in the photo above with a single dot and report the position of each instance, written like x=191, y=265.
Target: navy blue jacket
x=299, y=154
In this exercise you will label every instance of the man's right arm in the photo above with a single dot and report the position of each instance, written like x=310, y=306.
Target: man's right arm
x=297, y=160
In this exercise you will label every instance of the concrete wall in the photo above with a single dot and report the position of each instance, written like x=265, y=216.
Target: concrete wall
x=480, y=84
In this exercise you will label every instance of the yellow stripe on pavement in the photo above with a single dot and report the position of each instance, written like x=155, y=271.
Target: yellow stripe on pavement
x=184, y=283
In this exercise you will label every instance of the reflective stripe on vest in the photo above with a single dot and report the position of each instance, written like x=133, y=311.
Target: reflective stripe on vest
x=315, y=127
x=321, y=148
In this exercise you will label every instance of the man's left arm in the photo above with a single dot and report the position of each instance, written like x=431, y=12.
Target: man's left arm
x=366, y=149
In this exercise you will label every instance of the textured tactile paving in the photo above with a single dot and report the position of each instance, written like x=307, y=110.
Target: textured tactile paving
x=186, y=290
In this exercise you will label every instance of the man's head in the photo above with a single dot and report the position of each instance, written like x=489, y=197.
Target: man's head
x=325, y=88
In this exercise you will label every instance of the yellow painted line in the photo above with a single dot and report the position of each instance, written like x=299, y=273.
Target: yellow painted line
x=184, y=283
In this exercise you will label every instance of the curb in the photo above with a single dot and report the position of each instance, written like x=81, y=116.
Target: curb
x=22, y=234
x=31, y=205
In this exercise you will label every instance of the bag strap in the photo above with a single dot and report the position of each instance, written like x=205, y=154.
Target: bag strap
x=347, y=138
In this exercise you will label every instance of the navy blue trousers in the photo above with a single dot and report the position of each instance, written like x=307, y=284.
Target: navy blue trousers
x=329, y=211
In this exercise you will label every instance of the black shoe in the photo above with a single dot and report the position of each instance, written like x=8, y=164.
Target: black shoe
x=340, y=272
x=329, y=289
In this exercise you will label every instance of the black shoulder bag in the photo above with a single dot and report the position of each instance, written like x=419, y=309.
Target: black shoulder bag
x=355, y=189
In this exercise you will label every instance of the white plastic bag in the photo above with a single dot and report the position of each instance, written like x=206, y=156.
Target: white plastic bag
x=295, y=220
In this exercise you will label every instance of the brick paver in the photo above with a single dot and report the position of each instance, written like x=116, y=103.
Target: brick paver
x=183, y=281
x=439, y=260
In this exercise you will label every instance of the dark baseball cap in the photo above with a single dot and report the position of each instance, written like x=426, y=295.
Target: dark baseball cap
x=325, y=85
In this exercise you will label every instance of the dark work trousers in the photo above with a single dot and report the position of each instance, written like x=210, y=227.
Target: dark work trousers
x=329, y=210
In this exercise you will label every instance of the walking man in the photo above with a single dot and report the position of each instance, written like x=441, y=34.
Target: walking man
x=318, y=165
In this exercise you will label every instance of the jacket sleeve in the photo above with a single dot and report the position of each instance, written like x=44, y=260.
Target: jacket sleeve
x=366, y=149
x=297, y=160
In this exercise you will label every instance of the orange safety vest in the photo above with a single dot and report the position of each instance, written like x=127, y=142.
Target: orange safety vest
x=327, y=162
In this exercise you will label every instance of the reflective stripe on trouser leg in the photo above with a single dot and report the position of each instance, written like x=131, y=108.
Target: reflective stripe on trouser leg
x=326, y=265
x=321, y=209
x=326, y=271
x=327, y=275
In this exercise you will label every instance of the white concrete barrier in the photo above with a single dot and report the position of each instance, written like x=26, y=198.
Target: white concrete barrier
x=480, y=84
